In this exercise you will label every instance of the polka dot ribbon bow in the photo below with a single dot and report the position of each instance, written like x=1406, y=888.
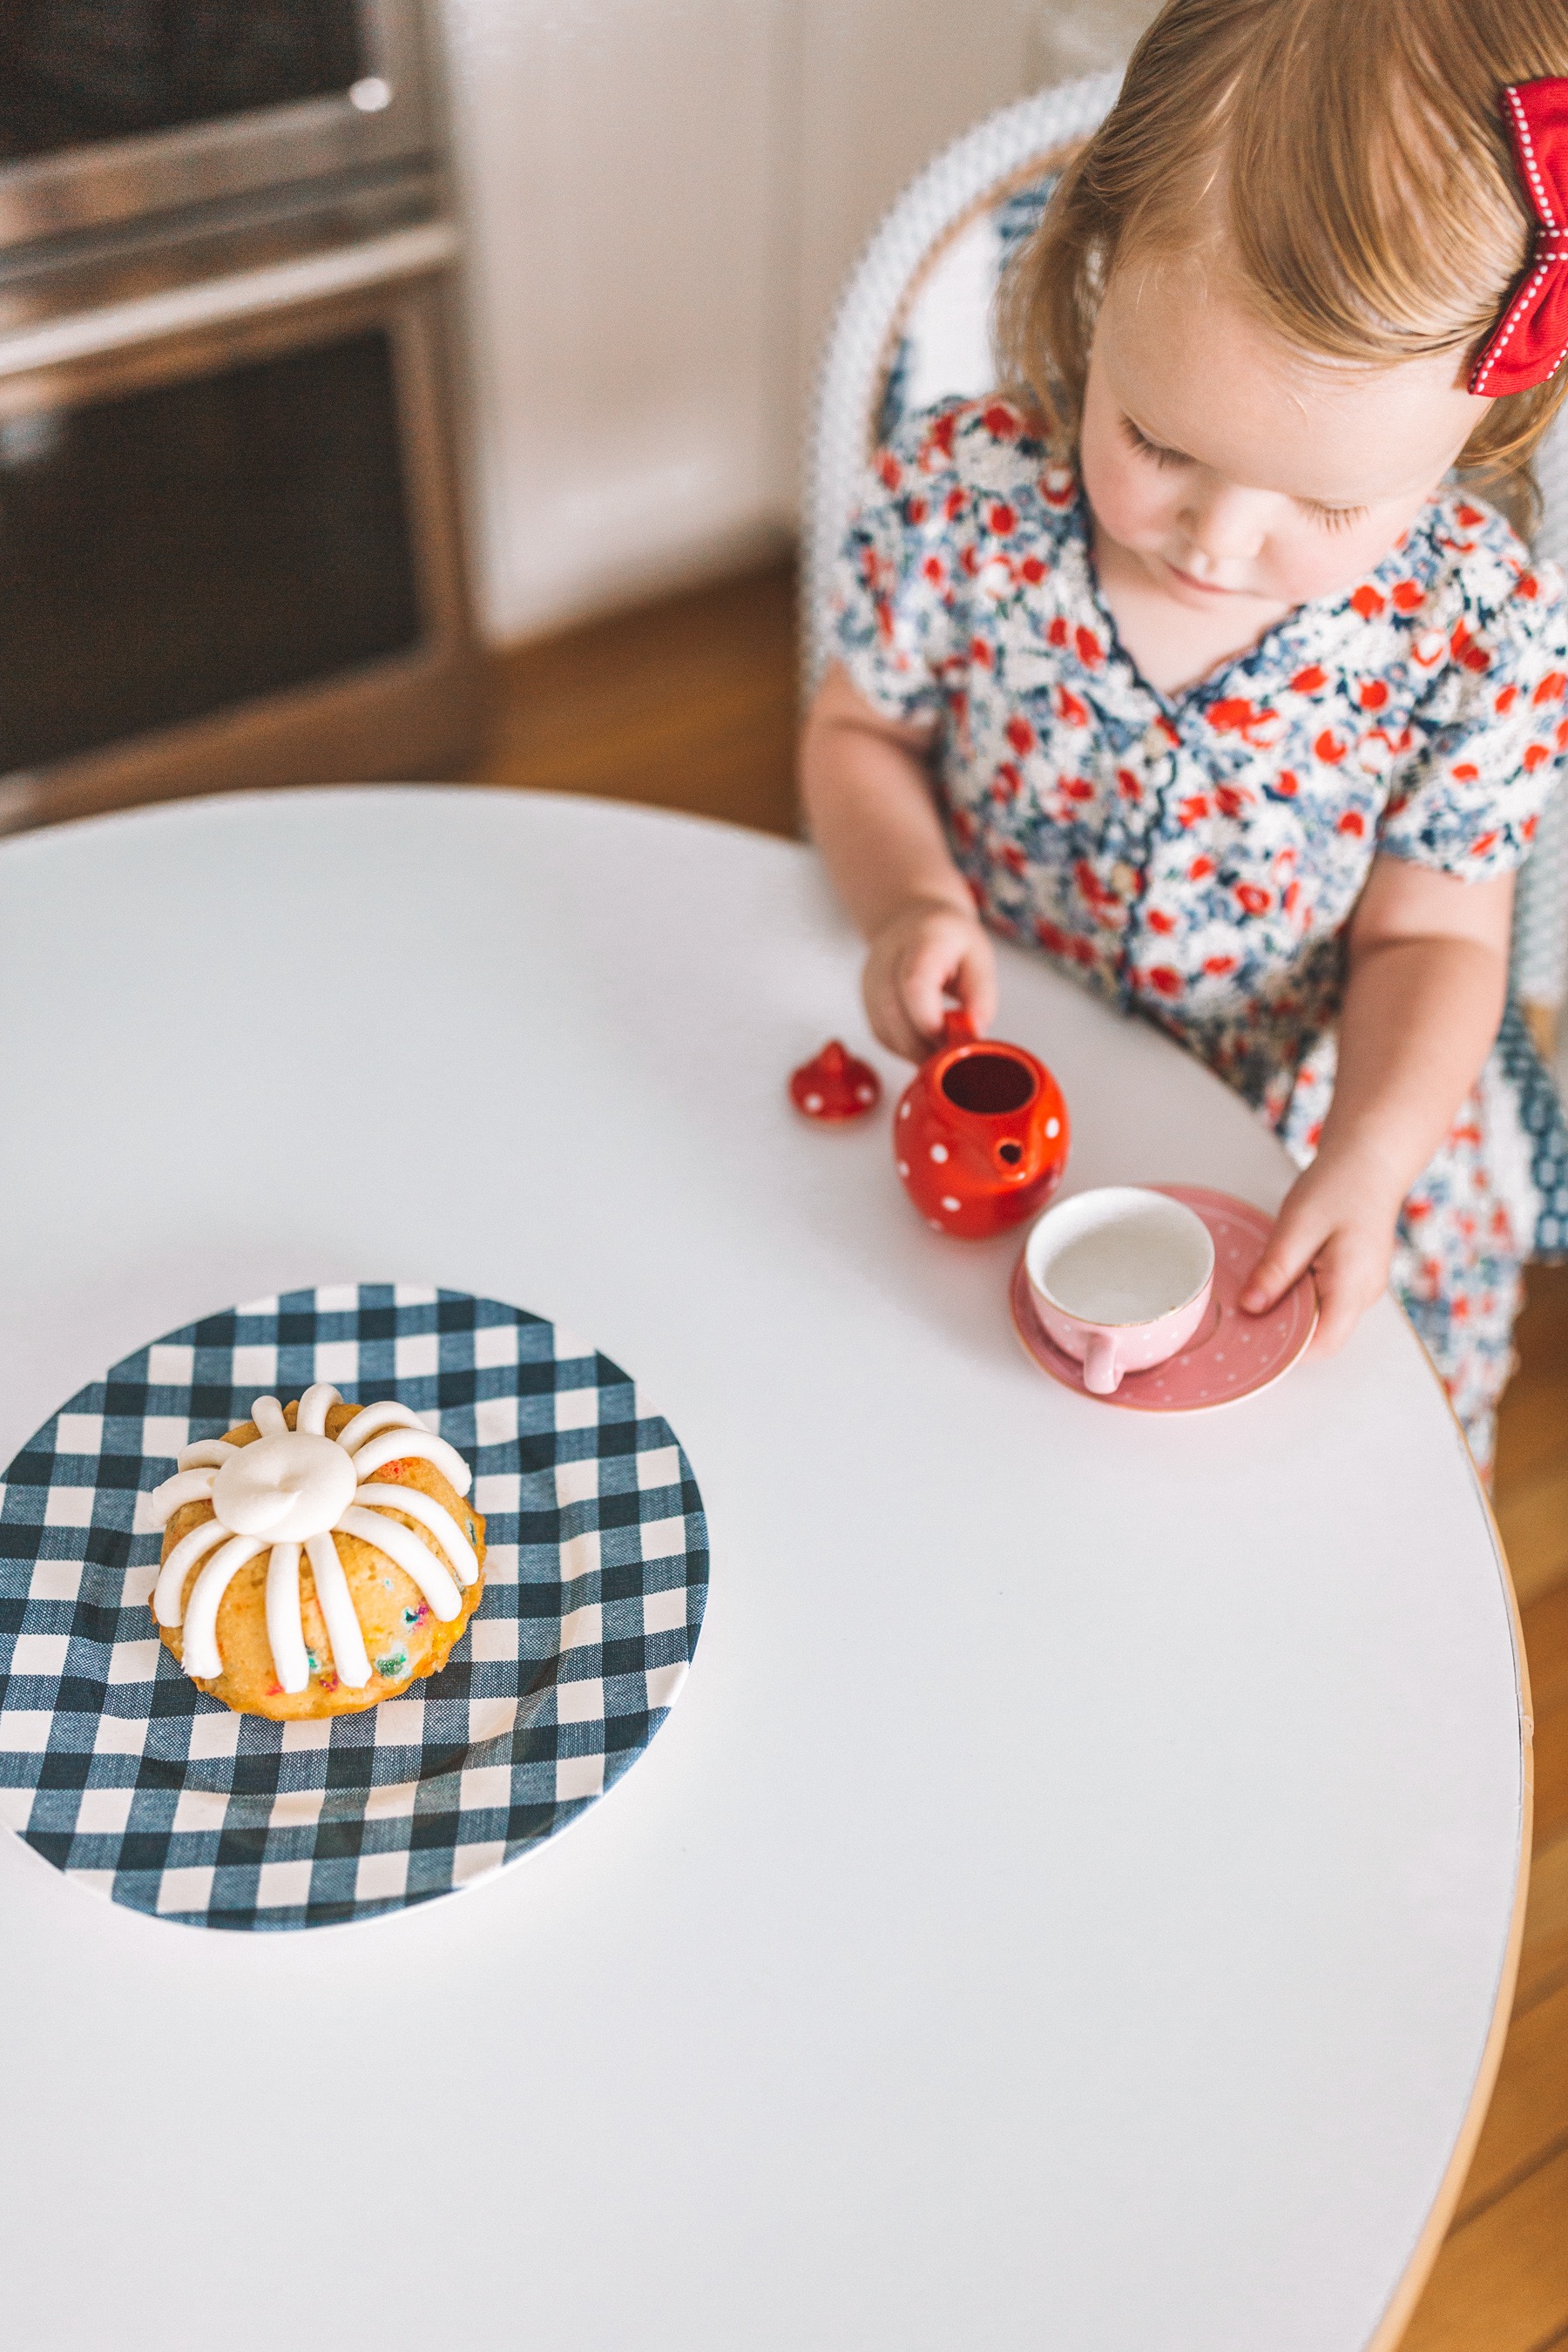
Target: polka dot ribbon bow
x=1530, y=339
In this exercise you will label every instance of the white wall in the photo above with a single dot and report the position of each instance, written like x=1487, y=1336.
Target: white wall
x=663, y=197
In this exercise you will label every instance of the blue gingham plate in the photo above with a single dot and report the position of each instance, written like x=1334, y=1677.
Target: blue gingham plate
x=119, y=1772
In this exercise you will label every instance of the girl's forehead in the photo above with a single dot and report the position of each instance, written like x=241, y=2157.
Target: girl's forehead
x=1196, y=369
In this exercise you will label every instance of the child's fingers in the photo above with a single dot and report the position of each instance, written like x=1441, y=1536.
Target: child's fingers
x=1348, y=1274
x=930, y=976
x=975, y=981
x=1286, y=1253
x=891, y=1024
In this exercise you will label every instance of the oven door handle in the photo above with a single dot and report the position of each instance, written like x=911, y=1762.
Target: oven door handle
x=284, y=285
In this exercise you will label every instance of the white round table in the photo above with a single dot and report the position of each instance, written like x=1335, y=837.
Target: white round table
x=1071, y=1904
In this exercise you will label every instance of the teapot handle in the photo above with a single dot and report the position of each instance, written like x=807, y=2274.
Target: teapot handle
x=957, y=1029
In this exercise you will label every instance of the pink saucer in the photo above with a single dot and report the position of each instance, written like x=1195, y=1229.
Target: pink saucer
x=1233, y=1355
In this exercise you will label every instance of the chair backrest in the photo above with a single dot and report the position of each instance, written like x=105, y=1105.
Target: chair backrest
x=913, y=325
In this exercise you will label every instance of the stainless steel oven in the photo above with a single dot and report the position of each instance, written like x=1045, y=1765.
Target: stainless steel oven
x=230, y=539
x=116, y=110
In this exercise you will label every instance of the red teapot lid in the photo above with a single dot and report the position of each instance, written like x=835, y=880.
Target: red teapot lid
x=835, y=1086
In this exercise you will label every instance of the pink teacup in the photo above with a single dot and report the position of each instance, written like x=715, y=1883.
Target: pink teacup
x=1120, y=1279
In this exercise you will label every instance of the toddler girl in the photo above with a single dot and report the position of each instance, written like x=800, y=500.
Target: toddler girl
x=1185, y=662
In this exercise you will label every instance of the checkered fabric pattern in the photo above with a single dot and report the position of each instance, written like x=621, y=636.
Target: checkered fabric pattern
x=115, y=1767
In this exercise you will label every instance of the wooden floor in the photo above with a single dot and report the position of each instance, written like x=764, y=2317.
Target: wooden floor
x=691, y=704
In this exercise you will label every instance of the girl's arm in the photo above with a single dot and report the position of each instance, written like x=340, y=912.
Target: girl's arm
x=1424, y=993
x=868, y=796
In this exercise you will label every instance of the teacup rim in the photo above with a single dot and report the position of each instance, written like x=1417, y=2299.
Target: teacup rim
x=1134, y=1322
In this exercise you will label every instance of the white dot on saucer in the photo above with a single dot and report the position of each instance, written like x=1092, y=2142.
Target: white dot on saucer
x=1053, y=1127
x=904, y=1167
x=814, y=1102
x=939, y=1151
x=951, y=1205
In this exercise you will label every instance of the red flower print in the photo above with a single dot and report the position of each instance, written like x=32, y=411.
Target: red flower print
x=953, y=505
x=1218, y=967
x=1192, y=810
x=1056, y=635
x=1415, y=1210
x=1552, y=688
x=1082, y=952
x=939, y=438
x=1288, y=782
x=889, y=470
x=1160, y=922
x=968, y=563
x=1056, y=485
x=1429, y=648
x=1069, y=709
x=1032, y=570
x=1200, y=869
x=1308, y=680
x=1529, y=585
x=1562, y=737
x=917, y=510
x=1168, y=982
x=1013, y=858
x=1374, y=694
x=1330, y=747
x=1168, y=731
x=1231, y=714
x=1407, y=596
x=1076, y=788
x=1007, y=783
x=964, y=827
x=1354, y=824
x=958, y=703
x=1253, y=897
x=980, y=653
x=1464, y=772
x=1504, y=702
x=1000, y=422
x=1020, y=734
x=1001, y=519
x=1479, y=848
x=1051, y=938
x=1367, y=603
x=1127, y=785
x=1536, y=756
x=1090, y=650
x=934, y=570
x=1463, y=646
x=1231, y=800
x=1527, y=829
x=1471, y=517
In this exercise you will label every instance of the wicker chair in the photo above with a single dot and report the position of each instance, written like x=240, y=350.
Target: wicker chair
x=913, y=325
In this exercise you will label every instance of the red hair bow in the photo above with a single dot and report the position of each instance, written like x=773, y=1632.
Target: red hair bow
x=1530, y=339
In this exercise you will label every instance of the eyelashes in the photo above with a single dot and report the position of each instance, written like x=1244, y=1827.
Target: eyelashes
x=1151, y=449
x=1328, y=518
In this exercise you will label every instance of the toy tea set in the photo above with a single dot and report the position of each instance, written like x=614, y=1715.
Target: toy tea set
x=1128, y=1293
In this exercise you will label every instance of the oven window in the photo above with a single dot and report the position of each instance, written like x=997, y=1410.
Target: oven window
x=72, y=71
x=170, y=553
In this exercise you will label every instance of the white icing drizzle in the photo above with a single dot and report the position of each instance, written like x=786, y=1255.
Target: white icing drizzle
x=186, y=1486
x=348, y=1659
x=432, y=1515
x=398, y=1445
x=286, y=1619
x=401, y=1544
x=201, y=1652
x=371, y=1418
x=208, y=1453
x=289, y=1489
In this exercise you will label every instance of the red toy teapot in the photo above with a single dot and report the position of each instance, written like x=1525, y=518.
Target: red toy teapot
x=981, y=1133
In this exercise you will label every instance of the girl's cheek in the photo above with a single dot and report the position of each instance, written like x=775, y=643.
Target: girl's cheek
x=1128, y=500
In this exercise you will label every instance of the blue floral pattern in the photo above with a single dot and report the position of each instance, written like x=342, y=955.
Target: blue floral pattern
x=1195, y=857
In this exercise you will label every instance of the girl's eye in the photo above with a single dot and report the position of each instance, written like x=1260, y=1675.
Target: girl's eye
x=1147, y=449
x=1334, y=518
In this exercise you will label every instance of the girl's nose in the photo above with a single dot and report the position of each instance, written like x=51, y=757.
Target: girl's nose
x=1223, y=526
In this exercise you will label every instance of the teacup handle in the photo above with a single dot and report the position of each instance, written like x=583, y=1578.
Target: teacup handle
x=1101, y=1373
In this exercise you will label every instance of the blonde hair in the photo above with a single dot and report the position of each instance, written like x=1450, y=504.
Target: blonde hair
x=1354, y=151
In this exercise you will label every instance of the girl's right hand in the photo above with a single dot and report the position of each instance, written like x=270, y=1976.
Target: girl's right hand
x=925, y=956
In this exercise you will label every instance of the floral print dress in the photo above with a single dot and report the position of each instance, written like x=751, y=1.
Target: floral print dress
x=1196, y=857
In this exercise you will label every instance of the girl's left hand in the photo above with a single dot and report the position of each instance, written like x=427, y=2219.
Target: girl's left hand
x=1338, y=1218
